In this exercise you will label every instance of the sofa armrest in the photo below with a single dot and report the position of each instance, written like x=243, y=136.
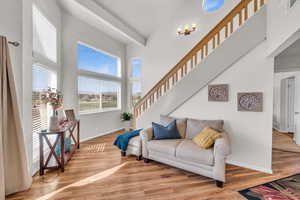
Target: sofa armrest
x=221, y=151
x=146, y=135
x=222, y=146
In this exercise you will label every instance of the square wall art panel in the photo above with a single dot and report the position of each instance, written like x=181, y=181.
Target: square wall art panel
x=250, y=101
x=218, y=92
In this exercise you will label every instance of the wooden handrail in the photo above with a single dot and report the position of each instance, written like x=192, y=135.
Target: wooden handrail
x=226, y=23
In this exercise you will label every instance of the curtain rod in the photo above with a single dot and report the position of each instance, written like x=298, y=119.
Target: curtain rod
x=15, y=43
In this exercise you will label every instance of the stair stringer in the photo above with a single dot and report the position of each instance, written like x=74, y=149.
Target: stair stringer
x=242, y=41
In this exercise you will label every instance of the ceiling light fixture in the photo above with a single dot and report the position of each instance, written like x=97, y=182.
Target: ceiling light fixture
x=212, y=5
x=187, y=30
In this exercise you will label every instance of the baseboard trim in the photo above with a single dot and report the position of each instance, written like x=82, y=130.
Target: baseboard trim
x=280, y=130
x=261, y=169
x=101, y=134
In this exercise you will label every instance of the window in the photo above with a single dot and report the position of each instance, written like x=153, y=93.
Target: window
x=45, y=72
x=42, y=79
x=44, y=36
x=93, y=60
x=136, y=89
x=99, y=82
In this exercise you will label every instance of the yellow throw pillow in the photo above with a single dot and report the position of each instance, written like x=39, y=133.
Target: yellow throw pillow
x=206, y=138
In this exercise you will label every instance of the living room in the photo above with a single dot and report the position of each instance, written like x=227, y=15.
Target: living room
x=184, y=89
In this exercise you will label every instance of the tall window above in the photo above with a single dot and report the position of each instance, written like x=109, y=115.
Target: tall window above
x=90, y=59
x=44, y=36
x=99, y=81
x=135, y=79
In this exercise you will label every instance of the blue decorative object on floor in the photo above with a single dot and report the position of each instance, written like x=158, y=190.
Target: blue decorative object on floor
x=212, y=5
x=67, y=146
x=169, y=132
x=122, y=140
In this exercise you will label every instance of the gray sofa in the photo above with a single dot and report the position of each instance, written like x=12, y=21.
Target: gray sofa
x=184, y=153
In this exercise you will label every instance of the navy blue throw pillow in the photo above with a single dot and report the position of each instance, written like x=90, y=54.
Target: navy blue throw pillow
x=169, y=132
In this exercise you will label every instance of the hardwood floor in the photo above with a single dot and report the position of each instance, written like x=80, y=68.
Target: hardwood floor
x=284, y=142
x=97, y=171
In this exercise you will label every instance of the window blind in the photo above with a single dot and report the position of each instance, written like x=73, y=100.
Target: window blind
x=41, y=80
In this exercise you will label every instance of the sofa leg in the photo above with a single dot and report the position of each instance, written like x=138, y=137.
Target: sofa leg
x=139, y=158
x=123, y=153
x=219, y=184
x=146, y=160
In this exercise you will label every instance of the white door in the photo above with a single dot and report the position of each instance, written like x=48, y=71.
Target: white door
x=291, y=104
x=287, y=104
x=297, y=110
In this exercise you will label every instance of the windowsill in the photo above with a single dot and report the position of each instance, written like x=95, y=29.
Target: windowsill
x=99, y=111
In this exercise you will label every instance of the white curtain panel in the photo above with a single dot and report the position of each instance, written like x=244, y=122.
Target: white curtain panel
x=14, y=172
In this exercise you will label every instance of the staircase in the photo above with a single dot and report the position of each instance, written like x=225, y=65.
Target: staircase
x=246, y=22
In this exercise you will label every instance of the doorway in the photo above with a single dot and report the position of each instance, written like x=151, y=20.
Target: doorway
x=286, y=119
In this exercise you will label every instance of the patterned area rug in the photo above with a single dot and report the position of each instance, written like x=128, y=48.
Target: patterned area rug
x=282, y=189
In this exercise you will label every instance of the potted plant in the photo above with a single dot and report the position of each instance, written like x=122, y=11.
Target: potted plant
x=126, y=117
x=55, y=99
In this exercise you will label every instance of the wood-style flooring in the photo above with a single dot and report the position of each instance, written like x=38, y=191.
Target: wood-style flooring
x=97, y=171
x=284, y=142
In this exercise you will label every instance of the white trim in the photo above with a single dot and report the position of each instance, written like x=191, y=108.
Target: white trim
x=101, y=134
x=82, y=72
x=280, y=130
x=83, y=113
x=244, y=165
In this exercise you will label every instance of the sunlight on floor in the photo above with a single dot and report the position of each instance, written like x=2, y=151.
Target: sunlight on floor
x=85, y=181
x=96, y=148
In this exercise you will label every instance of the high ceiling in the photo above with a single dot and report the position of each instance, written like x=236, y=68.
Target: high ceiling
x=142, y=15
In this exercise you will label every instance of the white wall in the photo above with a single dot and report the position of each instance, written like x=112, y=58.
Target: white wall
x=164, y=48
x=74, y=30
x=11, y=27
x=250, y=132
x=282, y=23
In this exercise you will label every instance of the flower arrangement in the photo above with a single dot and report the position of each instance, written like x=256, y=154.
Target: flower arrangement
x=125, y=116
x=53, y=97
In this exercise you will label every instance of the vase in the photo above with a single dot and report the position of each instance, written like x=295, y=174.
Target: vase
x=127, y=125
x=54, y=122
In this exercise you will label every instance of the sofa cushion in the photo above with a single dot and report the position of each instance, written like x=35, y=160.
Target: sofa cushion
x=161, y=132
x=181, y=124
x=188, y=151
x=164, y=146
x=196, y=126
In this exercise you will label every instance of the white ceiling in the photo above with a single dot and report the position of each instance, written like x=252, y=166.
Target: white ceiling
x=95, y=15
x=142, y=15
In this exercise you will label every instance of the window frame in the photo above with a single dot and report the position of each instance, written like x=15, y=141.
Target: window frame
x=100, y=77
x=133, y=80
